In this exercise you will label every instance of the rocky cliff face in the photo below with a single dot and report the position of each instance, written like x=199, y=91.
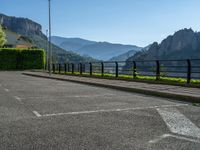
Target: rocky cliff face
x=184, y=44
x=22, y=26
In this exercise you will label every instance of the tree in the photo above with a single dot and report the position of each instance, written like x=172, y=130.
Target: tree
x=2, y=37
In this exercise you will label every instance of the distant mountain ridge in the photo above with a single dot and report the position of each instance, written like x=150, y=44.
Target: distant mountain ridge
x=131, y=53
x=125, y=56
x=98, y=50
x=184, y=44
x=72, y=44
x=105, y=50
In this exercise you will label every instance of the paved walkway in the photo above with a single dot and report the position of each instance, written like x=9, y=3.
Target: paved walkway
x=169, y=91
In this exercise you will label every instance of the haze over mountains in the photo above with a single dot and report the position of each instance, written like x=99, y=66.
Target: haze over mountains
x=72, y=44
x=125, y=56
x=98, y=50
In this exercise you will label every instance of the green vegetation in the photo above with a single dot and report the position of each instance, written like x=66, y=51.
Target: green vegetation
x=2, y=37
x=168, y=80
x=20, y=59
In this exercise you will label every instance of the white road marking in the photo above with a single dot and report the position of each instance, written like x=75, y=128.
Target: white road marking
x=110, y=110
x=88, y=96
x=73, y=96
x=178, y=123
x=174, y=136
x=7, y=90
x=37, y=114
x=18, y=98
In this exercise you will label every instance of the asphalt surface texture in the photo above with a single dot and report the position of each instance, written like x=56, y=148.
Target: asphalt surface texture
x=45, y=114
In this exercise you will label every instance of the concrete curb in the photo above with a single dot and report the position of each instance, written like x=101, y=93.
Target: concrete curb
x=190, y=99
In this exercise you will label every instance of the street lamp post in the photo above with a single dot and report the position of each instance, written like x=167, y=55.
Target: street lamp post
x=50, y=49
x=47, y=52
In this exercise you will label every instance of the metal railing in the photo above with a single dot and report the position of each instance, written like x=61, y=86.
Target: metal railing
x=186, y=69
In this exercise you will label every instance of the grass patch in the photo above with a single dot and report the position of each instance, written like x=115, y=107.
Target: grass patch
x=167, y=80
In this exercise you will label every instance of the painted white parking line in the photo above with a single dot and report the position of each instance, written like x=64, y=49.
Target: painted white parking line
x=88, y=96
x=7, y=90
x=18, y=98
x=174, y=136
x=110, y=110
x=37, y=114
x=178, y=123
x=74, y=96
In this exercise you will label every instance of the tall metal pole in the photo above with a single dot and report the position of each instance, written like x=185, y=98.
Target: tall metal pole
x=47, y=52
x=50, y=49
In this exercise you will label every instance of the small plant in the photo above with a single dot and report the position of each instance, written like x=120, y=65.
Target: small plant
x=163, y=74
x=2, y=37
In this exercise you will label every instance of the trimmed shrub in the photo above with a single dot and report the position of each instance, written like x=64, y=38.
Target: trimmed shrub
x=20, y=59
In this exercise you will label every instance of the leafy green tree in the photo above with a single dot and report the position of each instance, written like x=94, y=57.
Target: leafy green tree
x=2, y=37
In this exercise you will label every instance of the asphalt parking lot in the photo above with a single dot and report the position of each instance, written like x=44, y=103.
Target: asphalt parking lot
x=44, y=114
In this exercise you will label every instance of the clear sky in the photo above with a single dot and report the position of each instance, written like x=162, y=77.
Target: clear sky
x=138, y=22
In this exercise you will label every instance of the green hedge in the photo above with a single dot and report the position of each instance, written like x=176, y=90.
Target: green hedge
x=21, y=59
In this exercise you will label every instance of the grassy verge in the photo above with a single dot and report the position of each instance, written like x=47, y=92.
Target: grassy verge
x=168, y=80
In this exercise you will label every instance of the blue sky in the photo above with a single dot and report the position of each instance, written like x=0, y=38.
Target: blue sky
x=138, y=22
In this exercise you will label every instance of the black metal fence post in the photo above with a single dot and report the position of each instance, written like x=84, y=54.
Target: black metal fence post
x=65, y=68
x=81, y=69
x=68, y=67
x=102, y=69
x=72, y=68
x=59, y=68
x=134, y=70
x=157, y=70
x=53, y=68
x=91, y=69
x=189, y=70
x=48, y=66
x=116, y=69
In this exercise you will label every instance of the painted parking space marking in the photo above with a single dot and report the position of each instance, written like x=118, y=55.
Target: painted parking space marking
x=178, y=123
x=37, y=114
x=110, y=110
x=18, y=98
x=156, y=140
x=7, y=90
x=74, y=96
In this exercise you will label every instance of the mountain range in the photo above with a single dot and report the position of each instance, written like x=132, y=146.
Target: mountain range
x=72, y=44
x=64, y=49
x=97, y=50
x=33, y=32
x=125, y=56
x=183, y=44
